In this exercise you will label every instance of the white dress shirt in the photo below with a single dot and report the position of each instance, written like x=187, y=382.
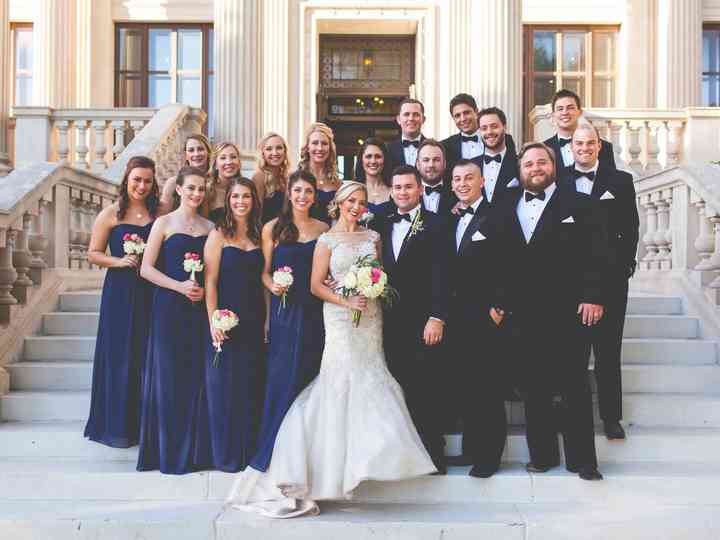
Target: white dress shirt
x=470, y=149
x=566, y=153
x=410, y=151
x=582, y=183
x=401, y=229
x=463, y=223
x=432, y=201
x=491, y=171
x=529, y=213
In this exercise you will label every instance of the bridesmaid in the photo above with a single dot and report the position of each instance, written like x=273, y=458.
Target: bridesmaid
x=272, y=175
x=224, y=167
x=124, y=309
x=174, y=414
x=234, y=265
x=198, y=152
x=318, y=156
x=296, y=331
x=373, y=156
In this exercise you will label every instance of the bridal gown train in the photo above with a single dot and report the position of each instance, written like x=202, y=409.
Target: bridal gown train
x=349, y=425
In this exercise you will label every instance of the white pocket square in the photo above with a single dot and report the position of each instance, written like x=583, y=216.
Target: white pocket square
x=568, y=219
x=607, y=195
x=513, y=183
x=477, y=236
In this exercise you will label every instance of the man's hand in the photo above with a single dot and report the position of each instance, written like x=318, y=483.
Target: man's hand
x=433, y=333
x=590, y=313
x=497, y=315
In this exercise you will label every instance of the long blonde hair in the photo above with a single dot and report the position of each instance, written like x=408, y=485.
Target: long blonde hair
x=214, y=176
x=330, y=169
x=273, y=181
x=347, y=188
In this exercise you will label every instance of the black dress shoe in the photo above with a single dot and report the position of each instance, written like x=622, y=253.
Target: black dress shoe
x=614, y=431
x=590, y=473
x=478, y=472
x=532, y=468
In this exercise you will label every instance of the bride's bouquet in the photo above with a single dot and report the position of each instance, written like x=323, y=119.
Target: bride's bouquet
x=367, y=278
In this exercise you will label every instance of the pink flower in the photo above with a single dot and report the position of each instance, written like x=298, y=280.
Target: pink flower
x=134, y=237
x=375, y=275
x=126, y=237
x=195, y=256
x=188, y=255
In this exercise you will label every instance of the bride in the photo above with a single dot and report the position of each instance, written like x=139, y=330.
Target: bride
x=351, y=423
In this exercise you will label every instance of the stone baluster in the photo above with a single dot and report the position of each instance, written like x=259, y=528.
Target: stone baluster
x=663, y=257
x=119, y=129
x=99, y=163
x=38, y=243
x=21, y=260
x=8, y=275
x=136, y=126
x=674, y=142
x=75, y=232
x=634, y=148
x=90, y=210
x=653, y=149
x=63, y=126
x=82, y=146
x=614, y=130
x=704, y=243
x=714, y=261
x=648, y=238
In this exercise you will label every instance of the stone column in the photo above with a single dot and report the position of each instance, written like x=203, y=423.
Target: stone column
x=95, y=77
x=53, y=54
x=497, y=59
x=679, y=63
x=276, y=90
x=638, y=46
x=238, y=103
x=4, y=87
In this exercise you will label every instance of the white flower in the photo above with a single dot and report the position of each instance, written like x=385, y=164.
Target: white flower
x=350, y=280
x=224, y=319
x=283, y=277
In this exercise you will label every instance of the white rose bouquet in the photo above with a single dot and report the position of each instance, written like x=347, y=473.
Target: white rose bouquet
x=225, y=320
x=133, y=244
x=283, y=276
x=193, y=263
x=367, y=278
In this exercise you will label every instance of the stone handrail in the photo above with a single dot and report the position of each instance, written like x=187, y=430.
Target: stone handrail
x=648, y=140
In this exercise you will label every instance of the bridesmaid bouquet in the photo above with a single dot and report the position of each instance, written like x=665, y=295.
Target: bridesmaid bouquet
x=133, y=244
x=366, y=217
x=192, y=264
x=283, y=276
x=225, y=320
x=367, y=278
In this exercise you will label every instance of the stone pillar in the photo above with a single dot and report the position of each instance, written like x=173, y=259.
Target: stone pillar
x=53, y=54
x=638, y=46
x=95, y=78
x=4, y=87
x=679, y=62
x=238, y=103
x=497, y=59
x=276, y=90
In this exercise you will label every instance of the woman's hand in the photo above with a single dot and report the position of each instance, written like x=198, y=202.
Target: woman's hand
x=218, y=336
x=191, y=290
x=278, y=290
x=357, y=303
x=128, y=261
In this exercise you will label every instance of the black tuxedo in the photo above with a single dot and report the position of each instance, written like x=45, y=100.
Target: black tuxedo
x=420, y=276
x=395, y=157
x=453, y=151
x=448, y=200
x=509, y=171
x=479, y=367
x=606, y=156
x=615, y=194
x=541, y=284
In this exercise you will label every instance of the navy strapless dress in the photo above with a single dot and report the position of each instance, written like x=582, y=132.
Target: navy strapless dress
x=297, y=338
x=272, y=206
x=120, y=349
x=381, y=210
x=174, y=430
x=324, y=199
x=235, y=387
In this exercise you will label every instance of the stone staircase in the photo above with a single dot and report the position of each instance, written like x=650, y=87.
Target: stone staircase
x=662, y=482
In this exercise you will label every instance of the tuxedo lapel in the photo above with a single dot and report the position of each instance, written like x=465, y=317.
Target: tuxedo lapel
x=408, y=240
x=600, y=184
x=547, y=219
x=478, y=219
x=388, y=251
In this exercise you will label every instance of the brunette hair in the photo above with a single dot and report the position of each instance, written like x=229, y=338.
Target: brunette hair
x=435, y=144
x=565, y=93
x=202, y=139
x=385, y=174
x=183, y=174
x=346, y=189
x=463, y=99
x=227, y=224
x=273, y=181
x=153, y=199
x=529, y=146
x=285, y=231
x=496, y=111
x=214, y=179
x=402, y=170
x=411, y=101
x=330, y=169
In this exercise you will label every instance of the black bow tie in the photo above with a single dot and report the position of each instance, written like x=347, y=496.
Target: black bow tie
x=433, y=189
x=590, y=175
x=473, y=138
x=407, y=142
x=497, y=158
x=462, y=212
x=397, y=218
x=530, y=196
x=562, y=142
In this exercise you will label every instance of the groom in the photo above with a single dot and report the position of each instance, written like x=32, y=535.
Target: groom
x=415, y=257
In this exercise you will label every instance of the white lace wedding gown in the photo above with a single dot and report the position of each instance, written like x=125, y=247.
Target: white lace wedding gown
x=349, y=425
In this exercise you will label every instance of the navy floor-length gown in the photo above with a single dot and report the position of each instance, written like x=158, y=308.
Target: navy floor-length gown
x=297, y=337
x=235, y=386
x=174, y=428
x=120, y=349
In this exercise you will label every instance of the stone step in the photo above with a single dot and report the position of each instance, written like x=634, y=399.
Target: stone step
x=668, y=351
x=180, y=520
x=642, y=409
x=59, y=348
x=658, y=378
x=64, y=440
x=654, y=305
x=661, y=326
x=62, y=323
x=81, y=301
x=692, y=483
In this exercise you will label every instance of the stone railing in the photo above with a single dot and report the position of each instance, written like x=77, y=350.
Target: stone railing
x=648, y=140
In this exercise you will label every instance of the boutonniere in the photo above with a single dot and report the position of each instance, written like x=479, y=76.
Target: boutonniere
x=366, y=218
x=417, y=225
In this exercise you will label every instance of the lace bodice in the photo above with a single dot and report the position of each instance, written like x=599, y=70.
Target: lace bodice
x=347, y=247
